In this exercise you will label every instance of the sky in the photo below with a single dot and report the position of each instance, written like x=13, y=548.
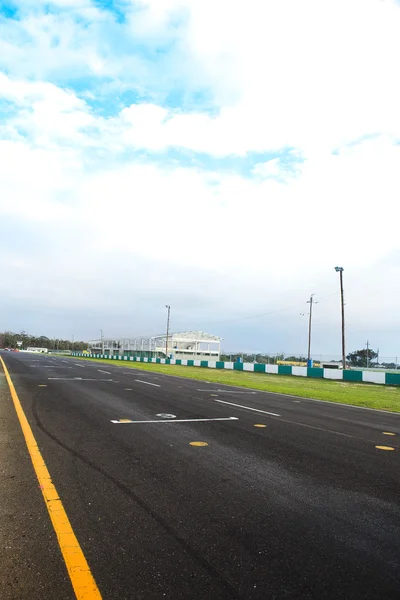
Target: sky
x=218, y=156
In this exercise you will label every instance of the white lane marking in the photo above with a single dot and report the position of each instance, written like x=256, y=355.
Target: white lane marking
x=178, y=420
x=106, y=372
x=77, y=365
x=166, y=416
x=64, y=361
x=227, y=391
x=77, y=379
x=49, y=367
x=148, y=383
x=265, y=412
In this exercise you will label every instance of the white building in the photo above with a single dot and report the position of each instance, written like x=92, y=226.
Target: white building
x=187, y=344
x=190, y=344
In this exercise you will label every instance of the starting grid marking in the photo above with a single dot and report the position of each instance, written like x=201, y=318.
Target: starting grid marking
x=122, y=421
x=77, y=379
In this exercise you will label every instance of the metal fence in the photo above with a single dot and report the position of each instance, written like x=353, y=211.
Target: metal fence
x=381, y=363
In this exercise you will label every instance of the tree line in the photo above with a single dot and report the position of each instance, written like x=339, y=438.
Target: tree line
x=9, y=339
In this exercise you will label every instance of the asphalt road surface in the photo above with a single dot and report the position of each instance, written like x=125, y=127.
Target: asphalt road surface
x=288, y=499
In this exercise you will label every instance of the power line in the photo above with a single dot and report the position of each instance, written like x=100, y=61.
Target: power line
x=265, y=314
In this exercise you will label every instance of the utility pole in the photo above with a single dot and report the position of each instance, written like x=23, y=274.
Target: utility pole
x=167, y=306
x=340, y=271
x=367, y=354
x=102, y=342
x=310, y=302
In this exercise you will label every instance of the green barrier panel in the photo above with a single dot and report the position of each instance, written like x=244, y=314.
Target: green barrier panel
x=392, y=378
x=204, y=363
x=352, y=375
x=284, y=369
x=315, y=372
x=178, y=361
x=158, y=360
x=220, y=365
x=141, y=359
x=190, y=363
x=259, y=368
x=237, y=366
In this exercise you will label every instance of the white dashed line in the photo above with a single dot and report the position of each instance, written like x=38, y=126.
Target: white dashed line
x=227, y=391
x=148, y=383
x=265, y=412
x=106, y=372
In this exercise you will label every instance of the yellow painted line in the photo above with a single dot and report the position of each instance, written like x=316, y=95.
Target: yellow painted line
x=388, y=433
x=42, y=385
x=214, y=395
x=198, y=444
x=125, y=420
x=259, y=425
x=384, y=447
x=82, y=580
x=127, y=389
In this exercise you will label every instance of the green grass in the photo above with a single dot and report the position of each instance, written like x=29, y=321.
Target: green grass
x=358, y=394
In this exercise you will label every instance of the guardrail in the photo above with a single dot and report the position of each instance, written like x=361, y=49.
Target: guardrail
x=314, y=372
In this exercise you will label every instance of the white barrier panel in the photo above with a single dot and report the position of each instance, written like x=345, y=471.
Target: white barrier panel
x=212, y=364
x=333, y=374
x=228, y=365
x=273, y=369
x=196, y=363
x=248, y=367
x=299, y=371
x=372, y=377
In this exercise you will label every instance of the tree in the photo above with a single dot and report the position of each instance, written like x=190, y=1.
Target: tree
x=296, y=359
x=390, y=365
x=361, y=358
x=9, y=339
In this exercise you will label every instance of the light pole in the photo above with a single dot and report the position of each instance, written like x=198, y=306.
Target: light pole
x=102, y=342
x=167, y=306
x=310, y=302
x=340, y=271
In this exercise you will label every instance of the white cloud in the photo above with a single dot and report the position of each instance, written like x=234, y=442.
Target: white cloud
x=305, y=74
